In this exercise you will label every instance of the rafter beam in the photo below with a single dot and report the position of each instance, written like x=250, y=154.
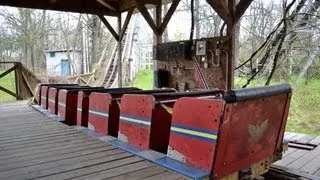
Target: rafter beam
x=9, y=92
x=168, y=16
x=144, y=11
x=107, y=5
x=220, y=6
x=241, y=8
x=109, y=27
x=126, y=22
x=8, y=71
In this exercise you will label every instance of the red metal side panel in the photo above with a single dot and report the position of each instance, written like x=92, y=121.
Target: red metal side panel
x=83, y=109
x=62, y=106
x=160, y=127
x=283, y=125
x=71, y=109
x=113, y=119
x=194, y=131
x=249, y=133
x=44, y=96
x=135, y=119
x=52, y=96
x=99, y=104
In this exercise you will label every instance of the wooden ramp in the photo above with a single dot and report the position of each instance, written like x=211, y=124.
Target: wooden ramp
x=32, y=146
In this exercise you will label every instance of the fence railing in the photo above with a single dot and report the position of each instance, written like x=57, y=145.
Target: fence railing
x=25, y=81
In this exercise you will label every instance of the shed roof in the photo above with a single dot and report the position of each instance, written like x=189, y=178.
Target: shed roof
x=62, y=50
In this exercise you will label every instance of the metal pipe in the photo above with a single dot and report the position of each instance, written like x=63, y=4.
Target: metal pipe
x=227, y=66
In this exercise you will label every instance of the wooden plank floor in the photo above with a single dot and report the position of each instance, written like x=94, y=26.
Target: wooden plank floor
x=32, y=146
x=306, y=161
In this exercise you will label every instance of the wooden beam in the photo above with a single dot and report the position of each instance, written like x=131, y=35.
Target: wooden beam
x=241, y=8
x=109, y=27
x=9, y=92
x=77, y=6
x=158, y=18
x=168, y=16
x=126, y=22
x=144, y=11
x=16, y=78
x=9, y=62
x=107, y=5
x=231, y=52
x=27, y=84
x=222, y=9
x=8, y=71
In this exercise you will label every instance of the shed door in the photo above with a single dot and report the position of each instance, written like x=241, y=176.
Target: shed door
x=65, y=67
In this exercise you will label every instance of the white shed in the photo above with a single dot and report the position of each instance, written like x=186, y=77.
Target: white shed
x=58, y=63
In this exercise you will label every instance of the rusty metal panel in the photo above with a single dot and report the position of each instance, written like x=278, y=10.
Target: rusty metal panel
x=62, y=103
x=172, y=51
x=52, y=98
x=82, y=109
x=99, y=104
x=194, y=131
x=67, y=106
x=44, y=97
x=283, y=124
x=249, y=133
x=135, y=120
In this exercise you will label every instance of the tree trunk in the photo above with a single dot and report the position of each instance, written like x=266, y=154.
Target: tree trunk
x=197, y=18
x=95, y=40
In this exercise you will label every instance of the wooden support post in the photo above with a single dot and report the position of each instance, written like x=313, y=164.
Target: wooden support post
x=232, y=42
x=17, y=82
x=158, y=35
x=119, y=63
x=158, y=21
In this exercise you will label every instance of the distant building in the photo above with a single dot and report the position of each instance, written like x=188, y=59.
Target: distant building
x=58, y=63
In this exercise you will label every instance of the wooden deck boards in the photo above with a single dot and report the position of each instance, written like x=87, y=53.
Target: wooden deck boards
x=32, y=146
x=302, y=160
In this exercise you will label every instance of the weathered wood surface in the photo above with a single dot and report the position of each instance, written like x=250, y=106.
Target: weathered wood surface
x=32, y=146
x=302, y=160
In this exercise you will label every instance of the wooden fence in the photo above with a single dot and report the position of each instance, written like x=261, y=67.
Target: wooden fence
x=25, y=81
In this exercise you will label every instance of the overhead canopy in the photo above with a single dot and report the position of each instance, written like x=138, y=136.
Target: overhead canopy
x=100, y=7
x=114, y=7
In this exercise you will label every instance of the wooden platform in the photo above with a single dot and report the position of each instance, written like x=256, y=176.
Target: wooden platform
x=305, y=161
x=32, y=146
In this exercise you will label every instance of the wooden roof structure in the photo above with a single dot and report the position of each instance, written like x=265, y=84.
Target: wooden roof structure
x=230, y=12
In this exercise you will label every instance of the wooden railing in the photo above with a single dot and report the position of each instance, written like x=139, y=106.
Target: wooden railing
x=25, y=81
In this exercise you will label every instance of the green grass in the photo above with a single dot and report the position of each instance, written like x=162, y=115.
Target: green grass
x=8, y=83
x=304, y=114
x=144, y=79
